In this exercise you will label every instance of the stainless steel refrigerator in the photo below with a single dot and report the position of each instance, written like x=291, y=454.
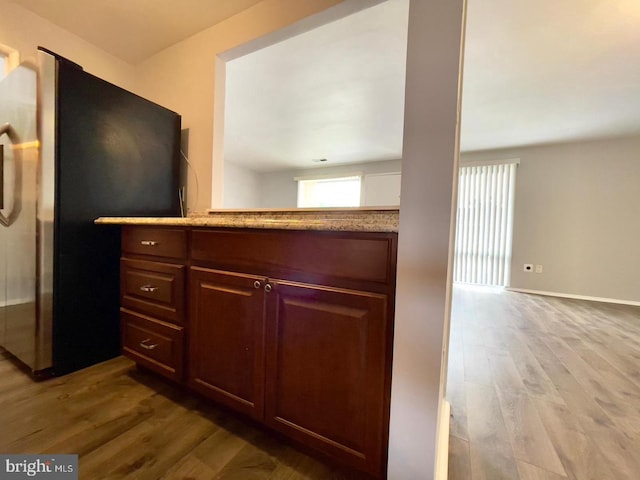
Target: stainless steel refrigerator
x=73, y=147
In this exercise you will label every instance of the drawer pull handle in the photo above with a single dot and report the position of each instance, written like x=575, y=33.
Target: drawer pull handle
x=256, y=284
x=147, y=346
x=267, y=287
x=148, y=243
x=148, y=288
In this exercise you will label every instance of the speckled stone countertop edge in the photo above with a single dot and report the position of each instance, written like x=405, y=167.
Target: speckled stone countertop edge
x=354, y=221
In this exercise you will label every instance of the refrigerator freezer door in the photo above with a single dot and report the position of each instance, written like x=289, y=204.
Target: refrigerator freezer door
x=17, y=229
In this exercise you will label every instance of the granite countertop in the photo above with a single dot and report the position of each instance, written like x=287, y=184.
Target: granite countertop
x=333, y=219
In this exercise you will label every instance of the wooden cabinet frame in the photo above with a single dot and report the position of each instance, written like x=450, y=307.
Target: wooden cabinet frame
x=310, y=355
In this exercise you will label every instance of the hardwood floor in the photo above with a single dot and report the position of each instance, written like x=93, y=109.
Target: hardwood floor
x=543, y=388
x=125, y=423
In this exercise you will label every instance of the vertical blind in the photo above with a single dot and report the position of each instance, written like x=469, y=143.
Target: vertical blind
x=484, y=224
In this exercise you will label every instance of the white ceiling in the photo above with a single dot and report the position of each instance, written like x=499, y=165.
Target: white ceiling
x=548, y=71
x=335, y=92
x=535, y=72
x=133, y=30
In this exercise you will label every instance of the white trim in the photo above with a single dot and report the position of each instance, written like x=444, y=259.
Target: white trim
x=482, y=163
x=331, y=14
x=217, y=166
x=382, y=174
x=576, y=297
x=336, y=176
x=17, y=301
x=442, y=449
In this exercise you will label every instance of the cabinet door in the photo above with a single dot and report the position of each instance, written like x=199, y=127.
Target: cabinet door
x=226, y=339
x=326, y=365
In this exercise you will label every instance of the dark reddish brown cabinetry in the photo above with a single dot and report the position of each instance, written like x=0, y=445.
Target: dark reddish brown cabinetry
x=306, y=317
x=152, y=292
x=325, y=369
x=292, y=328
x=226, y=350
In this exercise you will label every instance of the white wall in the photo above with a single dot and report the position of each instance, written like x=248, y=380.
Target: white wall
x=183, y=78
x=381, y=189
x=241, y=187
x=577, y=213
x=429, y=167
x=24, y=31
x=280, y=190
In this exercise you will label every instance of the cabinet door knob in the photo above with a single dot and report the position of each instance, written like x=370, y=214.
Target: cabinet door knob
x=148, y=288
x=146, y=345
x=268, y=288
x=256, y=284
x=148, y=243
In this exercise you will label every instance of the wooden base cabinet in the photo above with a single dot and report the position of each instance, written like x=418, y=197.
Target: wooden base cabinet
x=291, y=328
x=326, y=370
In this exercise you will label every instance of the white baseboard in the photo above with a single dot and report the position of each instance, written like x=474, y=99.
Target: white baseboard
x=442, y=459
x=16, y=301
x=576, y=297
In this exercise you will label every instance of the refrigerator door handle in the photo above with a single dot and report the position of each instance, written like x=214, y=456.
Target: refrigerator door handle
x=7, y=220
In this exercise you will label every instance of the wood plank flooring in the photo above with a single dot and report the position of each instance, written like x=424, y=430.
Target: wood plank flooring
x=543, y=388
x=126, y=423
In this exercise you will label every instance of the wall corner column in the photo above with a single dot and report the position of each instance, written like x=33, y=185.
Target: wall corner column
x=430, y=152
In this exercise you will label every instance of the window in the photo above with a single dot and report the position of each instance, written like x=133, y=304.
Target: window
x=484, y=223
x=329, y=192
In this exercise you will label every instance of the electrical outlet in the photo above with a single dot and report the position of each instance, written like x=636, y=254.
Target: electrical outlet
x=528, y=267
x=538, y=268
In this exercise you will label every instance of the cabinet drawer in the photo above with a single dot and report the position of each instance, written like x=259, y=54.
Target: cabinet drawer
x=153, y=343
x=326, y=258
x=158, y=242
x=154, y=288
